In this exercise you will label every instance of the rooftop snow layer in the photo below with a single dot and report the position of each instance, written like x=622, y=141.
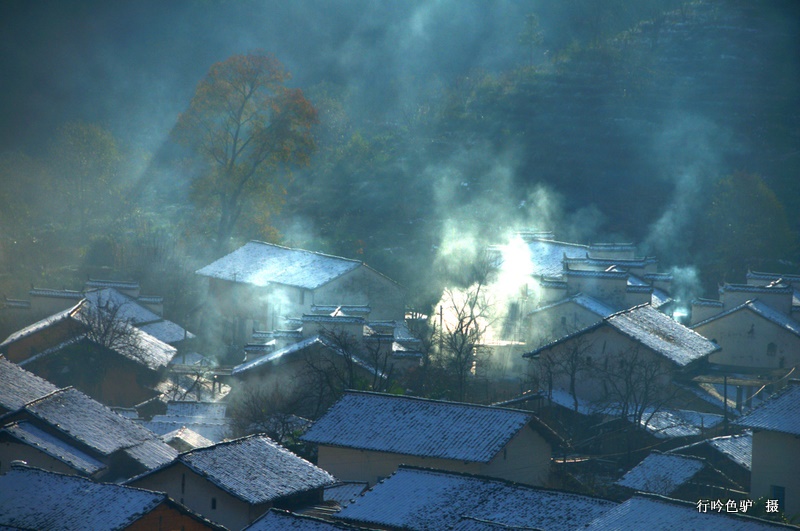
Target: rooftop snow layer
x=416, y=426
x=35, y=499
x=18, y=386
x=261, y=264
x=54, y=447
x=662, y=334
x=780, y=413
x=737, y=448
x=277, y=520
x=764, y=310
x=661, y=473
x=414, y=498
x=255, y=469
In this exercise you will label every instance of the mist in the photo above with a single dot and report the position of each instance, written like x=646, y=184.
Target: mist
x=439, y=134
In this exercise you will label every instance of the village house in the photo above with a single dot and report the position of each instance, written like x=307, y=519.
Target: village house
x=260, y=284
x=19, y=387
x=753, y=335
x=36, y=499
x=233, y=483
x=775, y=468
x=365, y=436
x=277, y=520
x=88, y=347
x=68, y=432
x=423, y=499
x=730, y=454
x=627, y=361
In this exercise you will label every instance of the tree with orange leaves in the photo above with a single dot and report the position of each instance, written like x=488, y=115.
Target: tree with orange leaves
x=248, y=129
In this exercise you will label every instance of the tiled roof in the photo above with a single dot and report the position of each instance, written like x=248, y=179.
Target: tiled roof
x=188, y=437
x=662, y=334
x=671, y=423
x=34, y=499
x=414, y=498
x=747, y=288
x=780, y=413
x=334, y=319
x=584, y=301
x=654, y=330
x=277, y=520
x=707, y=302
x=737, y=448
x=18, y=386
x=261, y=264
x=124, y=307
x=662, y=473
x=416, y=426
x=93, y=424
x=118, y=284
x=29, y=434
x=619, y=275
x=166, y=331
x=547, y=255
x=606, y=262
x=41, y=325
x=656, y=513
x=760, y=275
x=255, y=469
x=56, y=293
x=764, y=310
x=313, y=341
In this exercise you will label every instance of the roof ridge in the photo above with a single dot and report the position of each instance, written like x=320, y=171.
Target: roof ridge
x=437, y=401
x=307, y=251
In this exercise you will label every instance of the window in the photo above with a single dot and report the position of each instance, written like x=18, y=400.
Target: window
x=778, y=492
x=213, y=504
x=589, y=361
x=772, y=349
x=183, y=483
x=505, y=453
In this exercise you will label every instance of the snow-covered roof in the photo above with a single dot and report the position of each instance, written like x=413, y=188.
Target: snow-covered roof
x=117, y=284
x=56, y=448
x=56, y=293
x=35, y=499
x=414, y=498
x=662, y=473
x=187, y=437
x=213, y=429
x=261, y=264
x=657, y=513
x=417, y=426
x=737, y=448
x=255, y=469
x=91, y=423
x=278, y=520
x=166, y=331
x=123, y=307
x=671, y=423
x=781, y=413
x=18, y=386
x=662, y=334
x=747, y=288
x=190, y=408
x=294, y=348
x=547, y=255
x=584, y=301
x=47, y=322
x=759, y=308
x=652, y=329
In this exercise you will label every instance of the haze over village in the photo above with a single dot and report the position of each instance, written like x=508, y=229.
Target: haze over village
x=400, y=265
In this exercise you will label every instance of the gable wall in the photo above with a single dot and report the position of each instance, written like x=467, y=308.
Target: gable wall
x=744, y=337
x=363, y=286
x=11, y=451
x=41, y=340
x=775, y=462
x=525, y=459
x=197, y=493
x=558, y=321
x=163, y=517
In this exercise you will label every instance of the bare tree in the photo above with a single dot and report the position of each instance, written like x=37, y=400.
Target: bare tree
x=637, y=382
x=462, y=332
x=105, y=325
x=266, y=407
x=569, y=362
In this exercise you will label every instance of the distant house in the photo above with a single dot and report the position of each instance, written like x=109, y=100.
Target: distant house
x=207, y=419
x=611, y=359
x=753, y=335
x=35, y=499
x=776, y=447
x=366, y=436
x=424, y=499
x=678, y=476
x=649, y=511
x=66, y=431
x=258, y=285
x=235, y=482
x=89, y=348
x=730, y=454
x=563, y=317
